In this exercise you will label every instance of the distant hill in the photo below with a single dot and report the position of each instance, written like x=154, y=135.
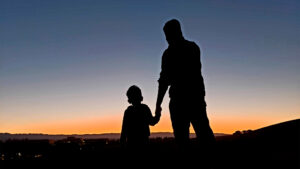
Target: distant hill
x=289, y=131
x=283, y=129
x=275, y=146
x=7, y=136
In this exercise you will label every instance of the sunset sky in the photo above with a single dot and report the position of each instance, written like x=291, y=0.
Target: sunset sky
x=65, y=65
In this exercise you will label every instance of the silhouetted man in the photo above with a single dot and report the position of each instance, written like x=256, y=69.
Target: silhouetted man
x=181, y=70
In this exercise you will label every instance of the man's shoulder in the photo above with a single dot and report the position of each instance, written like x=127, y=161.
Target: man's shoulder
x=166, y=51
x=186, y=44
x=191, y=43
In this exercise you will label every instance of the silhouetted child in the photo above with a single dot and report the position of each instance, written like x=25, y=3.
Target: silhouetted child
x=137, y=118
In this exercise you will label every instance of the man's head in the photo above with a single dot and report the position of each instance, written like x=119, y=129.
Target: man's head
x=173, y=32
x=134, y=95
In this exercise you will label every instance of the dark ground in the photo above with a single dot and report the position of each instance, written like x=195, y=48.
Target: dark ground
x=276, y=146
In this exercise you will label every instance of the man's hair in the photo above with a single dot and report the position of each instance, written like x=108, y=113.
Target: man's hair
x=173, y=27
x=134, y=93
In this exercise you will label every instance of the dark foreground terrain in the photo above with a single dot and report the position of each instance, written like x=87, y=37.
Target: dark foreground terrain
x=276, y=146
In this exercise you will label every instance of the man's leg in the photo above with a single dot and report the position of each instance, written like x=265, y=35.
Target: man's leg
x=205, y=137
x=201, y=125
x=180, y=124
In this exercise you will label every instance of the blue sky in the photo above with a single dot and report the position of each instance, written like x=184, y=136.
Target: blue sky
x=73, y=59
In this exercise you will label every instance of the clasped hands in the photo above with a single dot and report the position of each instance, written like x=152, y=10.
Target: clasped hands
x=158, y=111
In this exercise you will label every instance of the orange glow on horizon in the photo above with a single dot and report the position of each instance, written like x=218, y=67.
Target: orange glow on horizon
x=113, y=123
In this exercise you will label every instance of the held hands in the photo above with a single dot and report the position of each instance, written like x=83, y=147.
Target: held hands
x=157, y=115
x=158, y=111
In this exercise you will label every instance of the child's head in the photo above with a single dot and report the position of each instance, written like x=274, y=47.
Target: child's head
x=134, y=95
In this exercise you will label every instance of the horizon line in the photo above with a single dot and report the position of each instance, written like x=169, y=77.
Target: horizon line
x=192, y=132
x=99, y=133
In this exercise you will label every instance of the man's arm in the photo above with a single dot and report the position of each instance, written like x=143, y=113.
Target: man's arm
x=160, y=96
x=199, y=66
x=124, y=130
x=163, y=83
x=152, y=120
x=162, y=89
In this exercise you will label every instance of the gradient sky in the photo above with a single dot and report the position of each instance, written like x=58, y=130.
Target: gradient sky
x=65, y=65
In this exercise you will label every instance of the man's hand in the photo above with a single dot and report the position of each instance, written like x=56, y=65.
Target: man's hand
x=158, y=111
x=157, y=115
x=162, y=88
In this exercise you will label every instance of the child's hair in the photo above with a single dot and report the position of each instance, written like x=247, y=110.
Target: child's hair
x=134, y=94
